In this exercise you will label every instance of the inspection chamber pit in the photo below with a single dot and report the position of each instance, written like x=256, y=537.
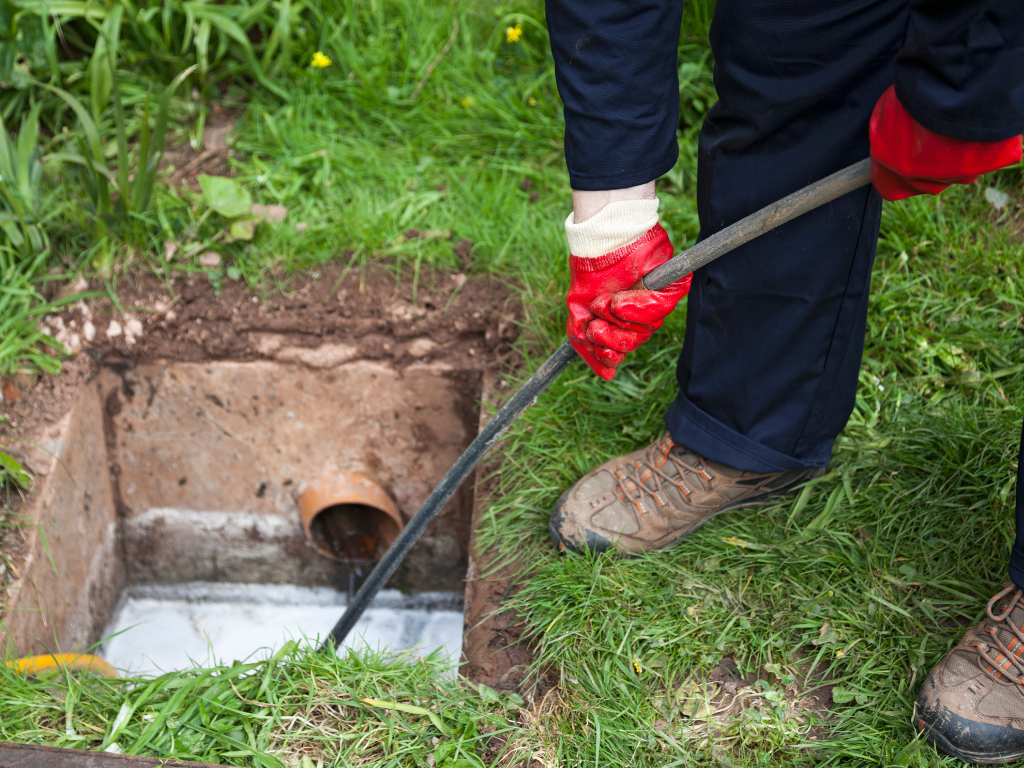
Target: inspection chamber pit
x=177, y=524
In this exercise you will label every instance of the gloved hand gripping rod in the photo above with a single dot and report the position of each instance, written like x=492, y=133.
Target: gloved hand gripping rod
x=769, y=217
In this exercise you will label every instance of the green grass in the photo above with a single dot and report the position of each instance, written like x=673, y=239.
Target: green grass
x=295, y=708
x=896, y=549
x=865, y=579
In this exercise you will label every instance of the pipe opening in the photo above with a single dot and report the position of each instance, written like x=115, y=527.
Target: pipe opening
x=348, y=517
x=354, y=533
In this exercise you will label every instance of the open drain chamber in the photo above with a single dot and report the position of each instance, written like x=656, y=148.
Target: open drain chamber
x=182, y=476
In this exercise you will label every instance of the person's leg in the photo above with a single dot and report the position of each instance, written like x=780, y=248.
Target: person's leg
x=775, y=329
x=1017, y=553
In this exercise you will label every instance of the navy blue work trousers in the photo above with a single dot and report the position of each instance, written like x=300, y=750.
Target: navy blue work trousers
x=775, y=330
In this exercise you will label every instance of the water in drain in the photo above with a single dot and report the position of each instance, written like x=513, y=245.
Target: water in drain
x=160, y=628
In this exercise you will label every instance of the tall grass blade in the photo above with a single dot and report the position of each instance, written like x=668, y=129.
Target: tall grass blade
x=142, y=168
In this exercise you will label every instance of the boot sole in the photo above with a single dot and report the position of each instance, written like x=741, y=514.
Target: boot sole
x=976, y=758
x=753, y=501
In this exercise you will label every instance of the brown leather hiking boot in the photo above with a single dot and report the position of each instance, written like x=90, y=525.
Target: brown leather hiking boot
x=972, y=704
x=649, y=499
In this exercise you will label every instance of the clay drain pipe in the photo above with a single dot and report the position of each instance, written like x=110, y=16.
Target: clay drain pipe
x=348, y=517
x=743, y=231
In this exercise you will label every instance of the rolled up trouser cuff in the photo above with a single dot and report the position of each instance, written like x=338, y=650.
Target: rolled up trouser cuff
x=707, y=436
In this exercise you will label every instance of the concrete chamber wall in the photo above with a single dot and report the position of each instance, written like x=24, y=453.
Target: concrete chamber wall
x=176, y=473
x=68, y=583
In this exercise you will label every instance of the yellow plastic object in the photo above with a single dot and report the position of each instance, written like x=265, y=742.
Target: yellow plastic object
x=86, y=662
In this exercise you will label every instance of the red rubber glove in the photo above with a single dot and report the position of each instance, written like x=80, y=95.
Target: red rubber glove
x=907, y=159
x=606, y=319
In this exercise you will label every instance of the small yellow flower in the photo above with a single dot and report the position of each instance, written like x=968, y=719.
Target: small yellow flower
x=512, y=34
x=636, y=665
x=841, y=653
x=468, y=101
x=531, y=101
x=320, y=60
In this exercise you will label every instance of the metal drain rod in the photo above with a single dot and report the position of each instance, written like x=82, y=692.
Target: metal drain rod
x=704, y=252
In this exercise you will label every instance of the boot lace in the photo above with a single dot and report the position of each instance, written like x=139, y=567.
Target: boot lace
x=647, y=477
x=998, y=659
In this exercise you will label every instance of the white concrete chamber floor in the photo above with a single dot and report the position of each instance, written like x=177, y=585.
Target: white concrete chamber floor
x=162, y=628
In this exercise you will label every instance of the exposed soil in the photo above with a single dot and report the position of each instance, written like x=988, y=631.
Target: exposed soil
x=47, y=402
x=13, y=550
x=494, y=651
x=725, y=692
x=370, y=312
x=492, y=643
x=29, y=403
x=460, y=321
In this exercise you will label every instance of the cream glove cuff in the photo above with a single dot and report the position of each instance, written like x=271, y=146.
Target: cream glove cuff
x=615, y=225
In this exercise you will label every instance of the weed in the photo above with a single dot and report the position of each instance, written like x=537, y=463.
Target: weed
x=12, y=473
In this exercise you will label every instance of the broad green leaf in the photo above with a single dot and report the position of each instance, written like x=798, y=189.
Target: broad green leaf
x=101, y=69
x=13, y=233
x=226, y=196
x=22, y=46
x=842, y=695
x=242, y=229
x=9, y=468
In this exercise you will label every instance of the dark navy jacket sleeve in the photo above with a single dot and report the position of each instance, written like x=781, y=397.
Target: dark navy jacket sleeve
x=961, y=70
x=617, y=73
